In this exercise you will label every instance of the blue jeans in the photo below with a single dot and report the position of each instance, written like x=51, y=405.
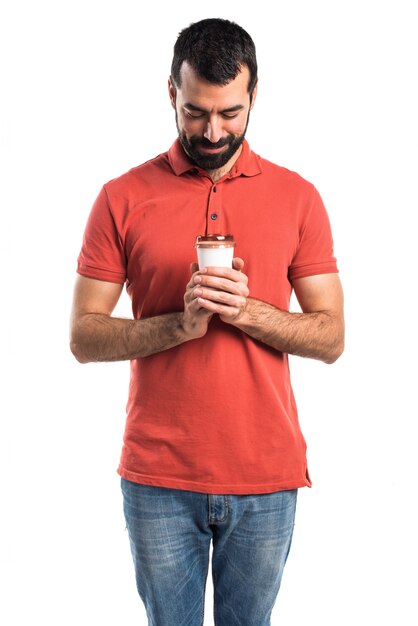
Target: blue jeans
x=170, y=532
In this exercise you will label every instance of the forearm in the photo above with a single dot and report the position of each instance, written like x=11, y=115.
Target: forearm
x=98, y=337
x=318, y=335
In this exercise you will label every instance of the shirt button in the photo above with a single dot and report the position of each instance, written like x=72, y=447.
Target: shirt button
x=214, y=189
x=214, y=216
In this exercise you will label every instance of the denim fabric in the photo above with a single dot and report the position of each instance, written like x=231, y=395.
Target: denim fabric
x=170, y=532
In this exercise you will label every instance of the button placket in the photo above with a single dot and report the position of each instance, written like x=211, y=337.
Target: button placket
x=214, y=212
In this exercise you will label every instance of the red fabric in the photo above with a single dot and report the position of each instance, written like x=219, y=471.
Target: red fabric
x=217, y=414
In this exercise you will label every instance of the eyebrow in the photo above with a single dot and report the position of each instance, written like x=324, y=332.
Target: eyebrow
x=193, y=107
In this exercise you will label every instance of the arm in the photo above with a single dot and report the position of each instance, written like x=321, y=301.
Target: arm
x=96, y=336
x=317, y=333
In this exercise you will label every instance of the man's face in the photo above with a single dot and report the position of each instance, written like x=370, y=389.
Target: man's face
x=211, y=119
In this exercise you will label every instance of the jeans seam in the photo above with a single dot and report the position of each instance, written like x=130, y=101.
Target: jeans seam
x=226, y=505
x=214, y=520
x=204, y=594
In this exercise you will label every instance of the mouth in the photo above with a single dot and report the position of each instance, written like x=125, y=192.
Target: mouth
x=211, y=150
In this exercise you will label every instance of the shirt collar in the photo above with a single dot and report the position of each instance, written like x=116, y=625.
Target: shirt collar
x=247, y=164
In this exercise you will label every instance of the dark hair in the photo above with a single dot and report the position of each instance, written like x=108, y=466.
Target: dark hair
x=216, y=49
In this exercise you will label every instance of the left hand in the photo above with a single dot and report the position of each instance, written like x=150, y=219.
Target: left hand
x=223, y=290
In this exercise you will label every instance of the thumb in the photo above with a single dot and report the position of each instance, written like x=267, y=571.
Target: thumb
x=237, y=264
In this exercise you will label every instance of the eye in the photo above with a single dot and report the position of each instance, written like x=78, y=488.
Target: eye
x=193, y=115
x=229, y=116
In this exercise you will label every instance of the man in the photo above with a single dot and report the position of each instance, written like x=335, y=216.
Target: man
x=212, y=448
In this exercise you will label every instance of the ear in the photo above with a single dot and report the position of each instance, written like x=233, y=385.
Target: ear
x=172, y=92
x=254, y=95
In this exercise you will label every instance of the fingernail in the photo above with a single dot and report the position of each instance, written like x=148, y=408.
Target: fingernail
x=197, y=279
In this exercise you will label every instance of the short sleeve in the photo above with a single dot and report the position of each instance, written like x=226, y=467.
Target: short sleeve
x=315, y=252
x=102, y=254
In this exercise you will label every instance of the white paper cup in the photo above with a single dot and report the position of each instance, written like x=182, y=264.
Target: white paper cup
x=215, y=250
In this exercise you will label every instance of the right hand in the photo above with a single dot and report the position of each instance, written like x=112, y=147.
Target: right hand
x=195, y=318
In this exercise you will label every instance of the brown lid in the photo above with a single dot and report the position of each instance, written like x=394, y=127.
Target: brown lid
x=207, y=240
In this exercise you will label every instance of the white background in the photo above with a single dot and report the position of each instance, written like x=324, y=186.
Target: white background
x=85, y=99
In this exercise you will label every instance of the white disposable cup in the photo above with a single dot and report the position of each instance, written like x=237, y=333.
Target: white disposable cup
x=215, y=250
x=215, y=257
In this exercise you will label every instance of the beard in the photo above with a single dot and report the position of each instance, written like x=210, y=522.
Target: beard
x=211, y=161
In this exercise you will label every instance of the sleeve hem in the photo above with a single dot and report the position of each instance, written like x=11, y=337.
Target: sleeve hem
x=101, y=274
x=312, y=269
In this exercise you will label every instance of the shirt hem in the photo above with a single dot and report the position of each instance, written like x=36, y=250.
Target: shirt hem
x=213, y=489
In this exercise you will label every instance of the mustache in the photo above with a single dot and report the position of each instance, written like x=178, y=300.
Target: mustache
x=205, y=143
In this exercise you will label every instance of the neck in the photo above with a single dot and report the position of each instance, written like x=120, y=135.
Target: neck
x=220, y=172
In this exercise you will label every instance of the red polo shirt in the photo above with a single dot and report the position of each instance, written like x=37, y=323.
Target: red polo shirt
x=216, y=414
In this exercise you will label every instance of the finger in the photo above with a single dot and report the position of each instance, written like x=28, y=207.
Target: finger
x=237, y=287
x=225, y=310
x=197, y=310
x=237, y=263
x=194, y=268
x=191, y=293
x=227, y=273
x=220, y=297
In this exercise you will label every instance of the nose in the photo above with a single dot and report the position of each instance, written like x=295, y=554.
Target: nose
x=213, y=132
